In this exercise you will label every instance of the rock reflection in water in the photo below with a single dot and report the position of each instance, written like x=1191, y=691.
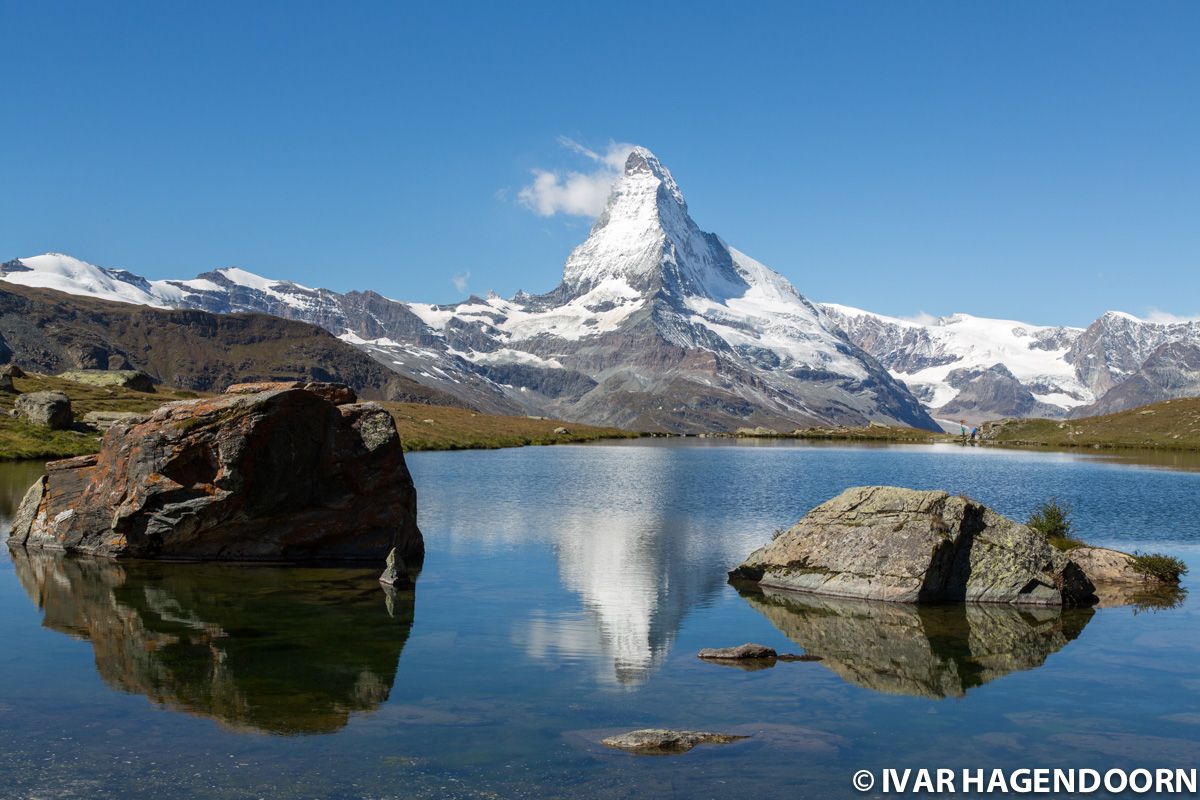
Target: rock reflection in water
x=925, y=651
x=279, y=650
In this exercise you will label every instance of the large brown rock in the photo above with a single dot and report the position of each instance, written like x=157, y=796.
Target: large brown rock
x=283, y=474
x=903, y=545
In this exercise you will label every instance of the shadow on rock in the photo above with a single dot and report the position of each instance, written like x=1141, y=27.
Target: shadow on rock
x=924, y=651
x=280, y=650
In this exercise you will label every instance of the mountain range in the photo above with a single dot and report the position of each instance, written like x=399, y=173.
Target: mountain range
x=658, y=325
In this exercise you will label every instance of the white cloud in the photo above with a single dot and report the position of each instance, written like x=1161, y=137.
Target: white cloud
x=461, y=281
x=921, y=318
x=1167, y=318
x=580, y=194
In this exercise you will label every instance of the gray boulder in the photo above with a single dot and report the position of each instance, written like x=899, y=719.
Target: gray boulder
x=48, y=409
x=908, y=546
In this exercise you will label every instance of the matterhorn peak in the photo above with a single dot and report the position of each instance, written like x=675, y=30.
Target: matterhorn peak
x=642, y=162
x=644, y=223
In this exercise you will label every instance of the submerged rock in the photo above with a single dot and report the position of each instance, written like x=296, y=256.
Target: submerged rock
x=903, y=545
x=48, y=409
x=659, y=741
x=281, y=474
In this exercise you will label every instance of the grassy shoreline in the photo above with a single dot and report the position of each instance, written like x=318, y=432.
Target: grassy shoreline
x=1168, y=426
x=422, y=427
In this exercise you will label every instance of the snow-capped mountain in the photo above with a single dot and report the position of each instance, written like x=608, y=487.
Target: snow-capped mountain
x=655, y=325
x=659, y=325
x=964, y=367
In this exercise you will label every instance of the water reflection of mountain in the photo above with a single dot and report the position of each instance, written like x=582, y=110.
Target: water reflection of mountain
x=637, y=579
x=271, y=649
x=633, y=537
x=926, y=651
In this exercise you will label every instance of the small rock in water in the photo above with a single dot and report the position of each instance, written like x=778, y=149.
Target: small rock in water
x=740, y=653
x=659, y=741
x=394, y=574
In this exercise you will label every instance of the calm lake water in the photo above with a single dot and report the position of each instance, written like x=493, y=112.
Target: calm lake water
x=564, y=597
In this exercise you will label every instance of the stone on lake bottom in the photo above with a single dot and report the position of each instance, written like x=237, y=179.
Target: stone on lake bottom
x=660, y=741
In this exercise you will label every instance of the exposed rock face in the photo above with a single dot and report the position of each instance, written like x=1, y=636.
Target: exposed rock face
x=991, y=393
x=133, y=379
x=48, y=409
x=658, y=741
x=922, y=651
x=234, y=643
x=903, y=545
x=278, y=474
x=1171, y=370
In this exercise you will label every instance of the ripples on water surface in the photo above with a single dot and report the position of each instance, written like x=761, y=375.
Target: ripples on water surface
x=564, y=596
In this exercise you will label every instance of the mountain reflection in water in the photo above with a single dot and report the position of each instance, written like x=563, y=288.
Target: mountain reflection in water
x=279, y=650
x=925, y=651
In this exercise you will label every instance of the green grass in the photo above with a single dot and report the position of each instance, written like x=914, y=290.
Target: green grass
x=86, y=397
x=426, y=427
x=1053, y=520
x=19, y=440
x=1167, y=569
x=1168, y=425
x=866, y=433
x=421, y=427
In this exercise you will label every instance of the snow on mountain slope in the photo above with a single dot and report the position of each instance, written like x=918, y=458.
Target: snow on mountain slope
x=66, y=274
x=940, y=359
x=924, y=355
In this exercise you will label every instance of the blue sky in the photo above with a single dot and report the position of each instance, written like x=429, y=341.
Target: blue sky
x=1039, y=161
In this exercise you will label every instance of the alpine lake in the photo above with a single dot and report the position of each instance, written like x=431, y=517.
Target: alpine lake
x=564, y=597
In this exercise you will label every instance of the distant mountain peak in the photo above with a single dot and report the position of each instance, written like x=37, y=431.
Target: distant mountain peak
x=646, y=241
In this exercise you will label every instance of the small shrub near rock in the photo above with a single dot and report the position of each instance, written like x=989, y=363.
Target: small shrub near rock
x=1053, y=520
x=1160, y=567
